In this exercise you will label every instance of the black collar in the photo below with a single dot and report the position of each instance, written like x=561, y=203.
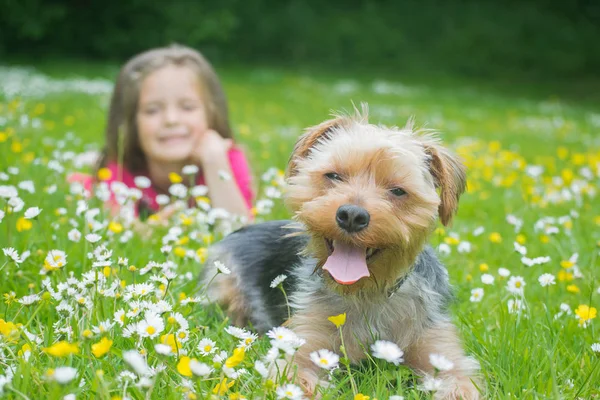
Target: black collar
x=398, y=284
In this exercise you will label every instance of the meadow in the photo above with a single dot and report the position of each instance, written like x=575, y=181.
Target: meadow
x=92, y=309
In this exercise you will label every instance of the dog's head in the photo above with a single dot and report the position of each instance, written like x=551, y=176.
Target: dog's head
x=369, y=196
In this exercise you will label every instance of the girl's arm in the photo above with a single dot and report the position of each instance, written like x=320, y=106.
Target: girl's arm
x=212, y=154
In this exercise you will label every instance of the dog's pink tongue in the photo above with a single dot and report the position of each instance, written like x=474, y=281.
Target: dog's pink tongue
x=347, y=264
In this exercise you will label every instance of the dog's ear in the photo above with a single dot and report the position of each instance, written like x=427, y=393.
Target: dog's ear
x=310, y=138
x=450, y=177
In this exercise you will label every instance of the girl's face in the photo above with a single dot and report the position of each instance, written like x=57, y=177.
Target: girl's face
x=171, y=117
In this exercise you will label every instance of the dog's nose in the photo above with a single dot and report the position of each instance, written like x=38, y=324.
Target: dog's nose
x=352, y=218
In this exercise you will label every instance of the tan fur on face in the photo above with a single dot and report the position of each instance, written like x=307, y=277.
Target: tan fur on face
x=372, y=160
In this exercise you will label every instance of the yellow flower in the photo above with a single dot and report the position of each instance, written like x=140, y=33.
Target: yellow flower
x=495, y=237
x=179, y=251
x=171, y=341
x=87, y=333
x=338, y=320
x=562, y=152
x=183, y=241
x=451, y=240
x=222, y=387
x=7, y=328
x=567, y=264
x=483, y=267
x=23, y=224
x=565, y=276
x=201, y=253
x=115, y=227
x=102, y=347
x=361, y=396
x=573, y=289
x=236, y=396
x=585, y=313
x=16, y=147
x=104, y=174
x=544, y=238
x=521, y=239
x=26, y=348
x=62, y=349
x=183, y=366
x=175, y=177
x=106, y=271
x=469, y=277
x=236, y=358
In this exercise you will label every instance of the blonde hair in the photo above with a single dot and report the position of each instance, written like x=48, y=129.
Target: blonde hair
x=125, y=98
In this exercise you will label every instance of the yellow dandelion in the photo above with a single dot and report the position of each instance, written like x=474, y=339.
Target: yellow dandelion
x=115, y=227
x=338, y=320
x=175, y=177
x=179, y=251
x=566, y=264
x=361, y=396
x=104, y=174
x=495, y=237
x=62, y=349
x=236, y=358
x=573, y=289
x=483, y=267
x=23, y=224
x=585, y=313
x=222, y=387
x=102, y=347
x=183, y=366
x=521, y=239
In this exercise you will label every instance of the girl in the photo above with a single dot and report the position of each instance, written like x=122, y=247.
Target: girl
x=168, y=110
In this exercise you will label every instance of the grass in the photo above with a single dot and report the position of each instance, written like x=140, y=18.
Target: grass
x=538, y=351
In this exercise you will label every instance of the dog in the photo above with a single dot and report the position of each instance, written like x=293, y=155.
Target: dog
x=365, y=200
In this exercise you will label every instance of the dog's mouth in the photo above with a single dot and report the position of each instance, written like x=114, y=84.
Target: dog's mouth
x=347, y=263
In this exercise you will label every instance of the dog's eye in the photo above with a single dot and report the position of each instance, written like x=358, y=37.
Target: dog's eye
x=397, y=192
x=333, y=176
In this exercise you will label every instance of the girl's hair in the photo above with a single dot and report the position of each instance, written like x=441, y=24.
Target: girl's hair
x=125, y=98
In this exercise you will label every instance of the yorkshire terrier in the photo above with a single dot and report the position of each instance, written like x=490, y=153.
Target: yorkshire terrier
x=365, y=200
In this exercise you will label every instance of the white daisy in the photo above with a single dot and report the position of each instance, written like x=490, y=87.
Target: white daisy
x=93, y=237
x=151, y=326
x=200, y=369
x=503, y=272
x=189, y=170
x=516, y=285
x=515, y=306
x=163, y=349
x=289, y=391
x=325, y=359
x=32, y=212
x=261, y=368
x=64, y=375
x=222, y=268
x=431, y=384
x=278, y=280
x=476, y=295
x=136, y=362
x=12, y=254
x=387, y=351
x=440, y=362
x=596, y=347
x=74, y=235
x=142, y=182
x=487, y=279
x=547, y=280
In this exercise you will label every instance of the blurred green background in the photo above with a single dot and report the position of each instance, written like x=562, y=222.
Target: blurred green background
x=516, y=39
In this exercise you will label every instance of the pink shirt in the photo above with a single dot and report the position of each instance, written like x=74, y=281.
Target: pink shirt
x=237, y=162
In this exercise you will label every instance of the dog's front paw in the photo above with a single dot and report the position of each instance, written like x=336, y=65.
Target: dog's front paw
x=461, y=388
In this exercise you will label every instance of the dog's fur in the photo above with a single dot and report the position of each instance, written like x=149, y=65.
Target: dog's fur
x=405, y=298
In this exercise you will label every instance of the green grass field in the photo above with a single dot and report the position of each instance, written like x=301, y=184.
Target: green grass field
x=534, y=169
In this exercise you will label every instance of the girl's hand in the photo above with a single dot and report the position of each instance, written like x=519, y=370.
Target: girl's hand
x=211, y=147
